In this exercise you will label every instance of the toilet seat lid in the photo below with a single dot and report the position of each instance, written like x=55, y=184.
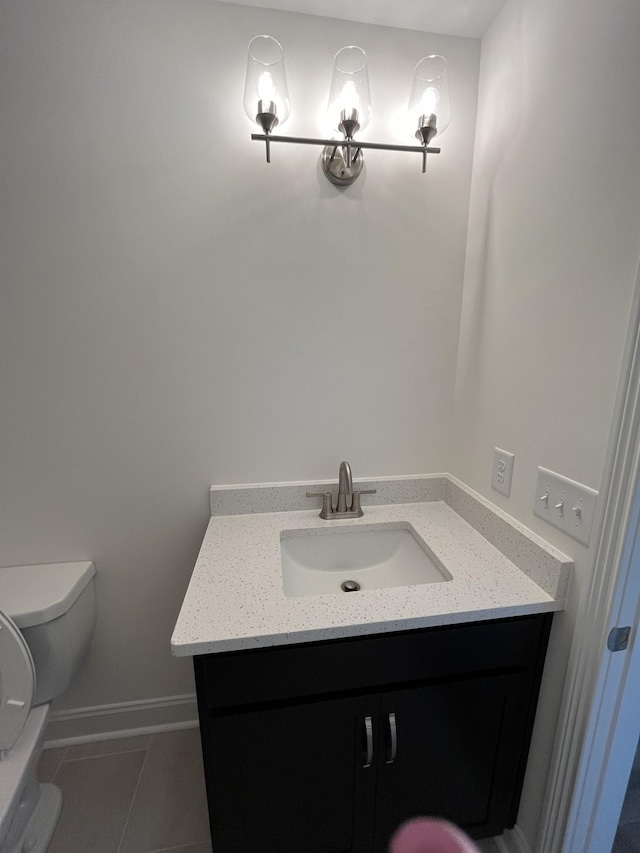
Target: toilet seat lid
x=17, y=682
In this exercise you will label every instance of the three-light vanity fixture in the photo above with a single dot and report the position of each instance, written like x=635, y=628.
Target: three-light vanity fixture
x=266, y=101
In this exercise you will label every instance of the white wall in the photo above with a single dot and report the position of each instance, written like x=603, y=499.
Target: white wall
x=176, y=313
x=553, y=249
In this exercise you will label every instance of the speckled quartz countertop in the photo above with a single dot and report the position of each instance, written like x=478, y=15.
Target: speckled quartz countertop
x=235, y=599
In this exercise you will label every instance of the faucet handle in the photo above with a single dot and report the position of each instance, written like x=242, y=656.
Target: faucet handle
x=355, y=502
x=327, y=508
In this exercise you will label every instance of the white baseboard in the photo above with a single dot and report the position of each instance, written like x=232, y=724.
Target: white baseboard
x=512, y=841
x=122, y=719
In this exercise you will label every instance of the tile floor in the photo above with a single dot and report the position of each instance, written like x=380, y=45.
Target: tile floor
x=134, y=795
x=628, y=835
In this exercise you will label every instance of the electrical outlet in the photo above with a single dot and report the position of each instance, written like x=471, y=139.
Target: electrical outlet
x=502, y=471
x=565, y=504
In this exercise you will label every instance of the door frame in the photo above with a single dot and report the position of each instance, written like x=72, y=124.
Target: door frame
x=591, y=766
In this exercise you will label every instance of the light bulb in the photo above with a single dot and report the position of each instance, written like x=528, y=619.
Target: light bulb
x=348, y=99
x=429, y=102
x=266, y=88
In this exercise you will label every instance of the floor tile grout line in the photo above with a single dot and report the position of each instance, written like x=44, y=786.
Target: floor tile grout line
x=57, y=770
x=133, y=799
x=103, y=755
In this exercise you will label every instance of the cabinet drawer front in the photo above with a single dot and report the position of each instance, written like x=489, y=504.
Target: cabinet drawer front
x=454, y=651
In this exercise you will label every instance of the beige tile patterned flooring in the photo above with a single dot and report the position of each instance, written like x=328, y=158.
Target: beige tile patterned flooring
x=134, y=795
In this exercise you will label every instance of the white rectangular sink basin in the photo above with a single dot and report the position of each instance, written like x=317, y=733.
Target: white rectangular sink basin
x=320, y=561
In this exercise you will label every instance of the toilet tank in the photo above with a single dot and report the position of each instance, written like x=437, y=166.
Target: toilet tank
x=53, y=605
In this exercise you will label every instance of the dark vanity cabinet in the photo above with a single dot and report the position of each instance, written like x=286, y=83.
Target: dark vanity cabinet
x=327, y=747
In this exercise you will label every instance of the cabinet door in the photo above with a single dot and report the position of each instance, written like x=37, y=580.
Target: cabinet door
x=281, y=780
x=442, y=749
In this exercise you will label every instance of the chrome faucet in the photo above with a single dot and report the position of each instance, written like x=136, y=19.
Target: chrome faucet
x=348, y=505
x=345, y=487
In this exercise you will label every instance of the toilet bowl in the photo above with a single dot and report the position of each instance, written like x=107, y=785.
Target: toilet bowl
x=47, y=615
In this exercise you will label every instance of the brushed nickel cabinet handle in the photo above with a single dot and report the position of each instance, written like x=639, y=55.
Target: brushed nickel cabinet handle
x=393, y=739
x=368, y=742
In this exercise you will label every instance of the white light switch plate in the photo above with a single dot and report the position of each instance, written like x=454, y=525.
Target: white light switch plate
x=565, y=504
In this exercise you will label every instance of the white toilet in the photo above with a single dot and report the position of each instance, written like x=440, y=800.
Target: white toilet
x=47, y=616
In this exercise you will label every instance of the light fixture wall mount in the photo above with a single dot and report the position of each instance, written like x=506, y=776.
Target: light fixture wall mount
x=266, y=101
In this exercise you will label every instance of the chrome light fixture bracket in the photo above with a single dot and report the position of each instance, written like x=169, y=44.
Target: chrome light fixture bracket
x=339, y=165
x=427, y=129
x=338, y=162
x=332, y=144
x=349, y=124
x=267, y=118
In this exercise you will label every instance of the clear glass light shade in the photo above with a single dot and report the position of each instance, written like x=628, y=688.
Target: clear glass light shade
x=430, y=95
x=349, y=88
x=265, y=87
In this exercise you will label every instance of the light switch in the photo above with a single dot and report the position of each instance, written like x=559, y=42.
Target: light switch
x=565, y=504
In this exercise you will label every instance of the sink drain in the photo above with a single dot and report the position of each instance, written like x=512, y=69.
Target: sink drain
x=350, y=586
